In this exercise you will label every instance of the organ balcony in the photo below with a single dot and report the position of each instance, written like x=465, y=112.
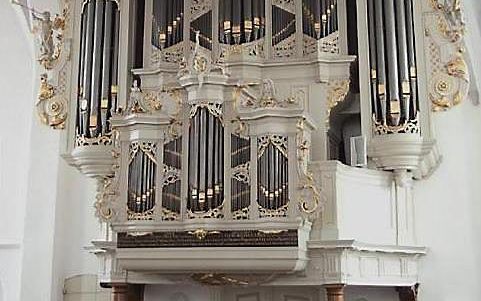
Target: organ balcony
x=212, y=129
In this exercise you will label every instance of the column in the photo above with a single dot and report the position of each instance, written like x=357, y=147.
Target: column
x=408, y=293
x=120, y=292
x=335, y=292
x=127, y=292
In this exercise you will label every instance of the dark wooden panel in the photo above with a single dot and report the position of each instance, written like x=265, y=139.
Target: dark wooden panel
x=245, y=238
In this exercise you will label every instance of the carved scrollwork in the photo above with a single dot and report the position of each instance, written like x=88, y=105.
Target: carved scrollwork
x=328, y=44
x=53, y=52
x=409, y=127
x=140, y=216
x=278, y=141
x=214, y=108
x=337, y=92
x=149, y=148
x=252, y=49
x=215, y=213
x=51, y=108
x=241, y=214
x=308, y=188
x=267, y=97
x=201, y=234
x=82, y=140
x=170, y=175
x=242, y=173
x=285, y=48
x=448, y=71
x=104, y=193
x=199, y=7
x=169, y=215
x=273, y=213
x=107, y=193
x=172, y=54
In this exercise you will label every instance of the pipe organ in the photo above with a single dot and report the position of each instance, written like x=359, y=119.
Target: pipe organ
x=319, y=17
x=98, y=67
x=241, y=21
x=393, y=64
x=222, y=140
x=167, y=23
x=206, y=159
x=141, y=180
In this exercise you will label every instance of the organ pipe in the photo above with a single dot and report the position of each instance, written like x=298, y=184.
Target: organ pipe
x=167, y=23
x=240, y=186
x=392, y=61
x=241, y=21
x=171, y=191
x=141, y=181
x=319, y=18
x=206, y=161
x=98, y=67
x=272, y=176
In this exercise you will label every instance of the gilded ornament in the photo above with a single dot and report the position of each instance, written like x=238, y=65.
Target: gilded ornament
x=457, y=67
x=217, y=279
x=449, y=78
x=201, y=234
x=337, y=92
x=50, y=107
x=48, y=32
x=408, y=127
x=105, y=191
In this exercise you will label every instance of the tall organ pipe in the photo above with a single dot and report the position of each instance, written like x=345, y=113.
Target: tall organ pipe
x=392, y=61
x=98, y=67
x=205, y=161
x=320, y=17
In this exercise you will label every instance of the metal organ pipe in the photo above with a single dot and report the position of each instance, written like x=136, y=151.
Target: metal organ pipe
x=97, y=67
x=206, y=161
x=167, y=23
x=411, y=56
x=240, y=21
x=106, y=70
x=392, y=59
x=141, y=181
x=272, y=171
x=320, y=17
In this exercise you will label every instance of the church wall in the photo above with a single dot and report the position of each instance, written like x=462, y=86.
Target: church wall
x=16, y=86
x=448, y=204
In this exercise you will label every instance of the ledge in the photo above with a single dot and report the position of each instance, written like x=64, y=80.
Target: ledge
x=365, y=247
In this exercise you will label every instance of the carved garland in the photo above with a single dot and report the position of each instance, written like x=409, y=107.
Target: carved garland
x=307, y=184
x=53, y=56
x=445, y=52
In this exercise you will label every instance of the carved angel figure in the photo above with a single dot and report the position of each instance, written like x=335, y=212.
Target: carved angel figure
x=454, y=15
x=44, y=31
x=44, y=28
x=268, y=93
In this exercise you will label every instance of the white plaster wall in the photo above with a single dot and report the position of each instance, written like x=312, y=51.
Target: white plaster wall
x=47, y=217
x=15, y=124
x=448, y=204
x=176, y=293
